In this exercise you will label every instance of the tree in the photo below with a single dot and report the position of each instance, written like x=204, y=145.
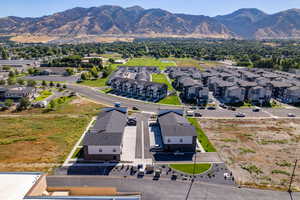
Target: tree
x=94, y=72
x=44, y=83
x=31, y=83
x=58, y=85
x=52, y=105
x=86, y=76
x=21, y=82
x=31, y=71
x=111, y=60
x=8, y=102
x=11, y=74
x=51, y=84
x=65, y=86
x=4, y=54
x=70, y=71
x=2, y=82
x=11, y=81
x=24, y=104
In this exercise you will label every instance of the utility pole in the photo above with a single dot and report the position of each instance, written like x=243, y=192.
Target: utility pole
x=193, y=179
x=292, y=177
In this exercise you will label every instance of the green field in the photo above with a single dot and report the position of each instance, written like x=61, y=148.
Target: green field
x=161, y=78
x=145, y=61
x=189, y=168
x=170, y=100
x=95, y=83
x=43, y=95
x=204, y=141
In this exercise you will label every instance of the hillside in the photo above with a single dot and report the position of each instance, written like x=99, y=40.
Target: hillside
x=115, y=20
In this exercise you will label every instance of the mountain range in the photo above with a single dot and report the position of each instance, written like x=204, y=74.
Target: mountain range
x=115, y=20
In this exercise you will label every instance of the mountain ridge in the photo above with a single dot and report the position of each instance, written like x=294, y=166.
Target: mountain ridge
x=249, y=23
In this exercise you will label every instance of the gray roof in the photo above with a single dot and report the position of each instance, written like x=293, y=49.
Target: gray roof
x=173, y=124
x=108, y=129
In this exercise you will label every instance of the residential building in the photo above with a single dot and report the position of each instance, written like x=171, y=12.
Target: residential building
x=233, y=95
x=139, y=89
x=104, y=141
x=177, y=133
x=291, y=95
x=17, y=92
x=259, y=95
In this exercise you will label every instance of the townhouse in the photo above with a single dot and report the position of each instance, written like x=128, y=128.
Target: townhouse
x=104, y=141
x=177, y=133
x=139, y=89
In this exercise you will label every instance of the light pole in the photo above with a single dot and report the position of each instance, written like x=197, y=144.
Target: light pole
x=292, y=177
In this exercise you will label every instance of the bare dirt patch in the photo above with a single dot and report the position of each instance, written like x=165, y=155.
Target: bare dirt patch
x=33, y=38
x=261, y=153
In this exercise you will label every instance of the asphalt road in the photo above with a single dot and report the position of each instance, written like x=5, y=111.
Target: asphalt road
x=151, y=107
x=171, y=191
x=110, y=100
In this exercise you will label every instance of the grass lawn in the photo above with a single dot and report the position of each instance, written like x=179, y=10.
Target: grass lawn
x=147, y=61
x=161, y=78
x=204, y=141
x=189, y=168
x=43, y=95
x=95, y=83
x=78, y=153
x=171, y=100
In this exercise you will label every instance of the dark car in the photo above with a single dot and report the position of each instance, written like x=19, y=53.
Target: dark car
x=134, y=108
x=211, y=108
x=232, y=108
x=223, y=106
x=131, y=122
x=198, y=115
x=201, y=107
x=256, y=110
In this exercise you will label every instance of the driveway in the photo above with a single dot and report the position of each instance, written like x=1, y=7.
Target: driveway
x=129, y=143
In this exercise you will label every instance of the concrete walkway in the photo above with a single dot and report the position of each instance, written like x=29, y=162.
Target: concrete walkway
x=69, y=158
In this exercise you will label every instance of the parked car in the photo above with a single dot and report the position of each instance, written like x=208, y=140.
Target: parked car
x=141, y=173
x=198, y=115
x=190, y=113
x=240, y=115
x=174, y=177
x=157, y=174
x=255, y=109
x=291, y=115
x=194, y=108
x=117, y=104
x=231, y=108
x=134, y=108
x=201, y=107
x=223, y=106
x=211, y=108
x=131, y=122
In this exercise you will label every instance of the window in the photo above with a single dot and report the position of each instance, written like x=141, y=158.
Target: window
x=114, y=150
x=100, y=150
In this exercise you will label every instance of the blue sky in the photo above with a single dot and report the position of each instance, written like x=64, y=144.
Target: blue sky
x=34, y=8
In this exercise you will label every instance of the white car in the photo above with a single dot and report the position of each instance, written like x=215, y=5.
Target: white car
x=240, y=115
x=291, y=115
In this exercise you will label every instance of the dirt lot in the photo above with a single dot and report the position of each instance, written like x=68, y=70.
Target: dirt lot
x=36, y=141
x=261, y=153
